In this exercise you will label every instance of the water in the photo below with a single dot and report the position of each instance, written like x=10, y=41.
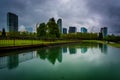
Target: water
x=69, y=62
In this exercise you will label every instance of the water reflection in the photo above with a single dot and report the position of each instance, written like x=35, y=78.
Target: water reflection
x=13, y=61
x=84, y=50
x=72, y=50
x=64, y=49
x=81, y=65
x=52, y=54
x=103, y=48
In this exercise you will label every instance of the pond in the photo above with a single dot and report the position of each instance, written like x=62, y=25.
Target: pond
x=84, y=61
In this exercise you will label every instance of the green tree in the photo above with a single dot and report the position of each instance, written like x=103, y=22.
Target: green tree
x=112, y=38
x=100, y=36
x=14, y=35
x=3, y=33
x=41, y=30
x=52, y=29
x=80, y=36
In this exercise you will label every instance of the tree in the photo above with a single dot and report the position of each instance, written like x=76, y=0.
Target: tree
x=14, y=35
x=100, y=36
x=49, y=30
x=3, y=33
x=41, y=30
x=52, y=29
x=112, y=38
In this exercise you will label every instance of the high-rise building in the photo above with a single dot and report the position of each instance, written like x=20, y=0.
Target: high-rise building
x=12, y=22
x=72, y=29
x=104, y=31
x=64, y=30
x=83, y=30
x=59, y=22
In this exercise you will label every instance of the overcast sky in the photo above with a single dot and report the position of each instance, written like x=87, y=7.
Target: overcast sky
x=91, y=14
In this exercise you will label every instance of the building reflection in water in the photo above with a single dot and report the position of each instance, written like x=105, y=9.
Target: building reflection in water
x=103, y=48
x=13, y=61
x=51, y=54
x=64, y=49
x=27, y=56
x=72, y=50
x=83, y=50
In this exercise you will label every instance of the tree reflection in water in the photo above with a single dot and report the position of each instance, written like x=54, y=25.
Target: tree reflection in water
x=55, y=53
x=52, y=54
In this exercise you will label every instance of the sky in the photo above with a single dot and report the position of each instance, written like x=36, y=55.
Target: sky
x=92, y=14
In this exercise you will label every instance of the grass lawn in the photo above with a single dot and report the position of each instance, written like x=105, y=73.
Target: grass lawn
x=94, y=41
x=115, y=44
x=4, y=43
x=18, y=42
x=103, y=42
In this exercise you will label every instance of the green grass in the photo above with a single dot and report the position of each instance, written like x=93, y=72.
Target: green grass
x=103, y=42
x=4, y=43
x=115, y=44
x=94, y=41
x=18, y=42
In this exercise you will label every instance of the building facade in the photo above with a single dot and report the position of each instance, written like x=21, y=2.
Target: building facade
x=72, y=29
x=59, y=23
x=12, y=22
x=64, y=30
x=83, y=30
x=104, y=31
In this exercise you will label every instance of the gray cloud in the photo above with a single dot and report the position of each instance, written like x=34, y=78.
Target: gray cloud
x=92, y=14
x=109, y=11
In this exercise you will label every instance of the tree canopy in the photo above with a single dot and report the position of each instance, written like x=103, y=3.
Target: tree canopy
x=41, y=30
x=49, y=30
x=3, y=33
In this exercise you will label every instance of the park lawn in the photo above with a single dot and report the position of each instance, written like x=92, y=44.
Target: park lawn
x=94, y=41
x=115, y=44
x=5, y=43
x=103, y=42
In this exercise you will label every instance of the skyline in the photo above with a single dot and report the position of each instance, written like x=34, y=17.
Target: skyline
x=80, y=13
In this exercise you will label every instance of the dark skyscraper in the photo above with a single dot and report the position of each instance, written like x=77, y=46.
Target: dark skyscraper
x=64, y=30
x=12, y=22
x=59, y=22
x=72, y=29
x=104, y=31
